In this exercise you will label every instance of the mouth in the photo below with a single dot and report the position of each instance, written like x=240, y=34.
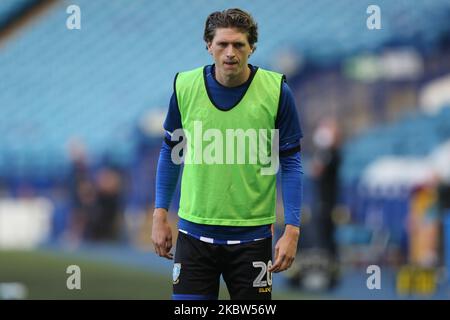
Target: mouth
x=230, y=64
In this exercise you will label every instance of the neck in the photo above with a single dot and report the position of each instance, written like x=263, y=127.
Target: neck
x=232, y=81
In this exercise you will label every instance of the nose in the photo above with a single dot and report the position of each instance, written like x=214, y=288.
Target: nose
x=229, y=51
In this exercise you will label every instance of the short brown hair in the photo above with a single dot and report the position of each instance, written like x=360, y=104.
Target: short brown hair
x=231, y=18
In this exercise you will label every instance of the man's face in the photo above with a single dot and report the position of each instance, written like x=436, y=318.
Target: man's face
x=231, y=50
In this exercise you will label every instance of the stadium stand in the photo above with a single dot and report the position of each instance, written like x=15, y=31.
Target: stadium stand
x=97, y=82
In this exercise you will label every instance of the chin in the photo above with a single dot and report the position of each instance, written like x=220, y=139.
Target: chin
x=230, y=72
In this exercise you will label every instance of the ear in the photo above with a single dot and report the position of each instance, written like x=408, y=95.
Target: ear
x=253, y=50
x=208, y=46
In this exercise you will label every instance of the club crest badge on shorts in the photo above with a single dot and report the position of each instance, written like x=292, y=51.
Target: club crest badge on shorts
x=176, y=272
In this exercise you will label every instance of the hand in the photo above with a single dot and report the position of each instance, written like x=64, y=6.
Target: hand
x=286, y=249
x=162, y=234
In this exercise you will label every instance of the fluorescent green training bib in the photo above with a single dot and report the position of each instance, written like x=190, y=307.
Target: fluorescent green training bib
x=227, y=152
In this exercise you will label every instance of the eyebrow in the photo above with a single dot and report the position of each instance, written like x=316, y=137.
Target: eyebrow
x=233, y=42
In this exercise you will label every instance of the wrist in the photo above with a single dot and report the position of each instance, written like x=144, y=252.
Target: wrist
x=292, y=230
x=160, y=213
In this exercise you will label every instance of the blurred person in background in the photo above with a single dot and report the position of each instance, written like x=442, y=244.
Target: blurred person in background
x=424, y=237
x=105, y=224
x=325, y=171
x=227, y=211
x=82, y=193
x=423, y=224
x=96, y=200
